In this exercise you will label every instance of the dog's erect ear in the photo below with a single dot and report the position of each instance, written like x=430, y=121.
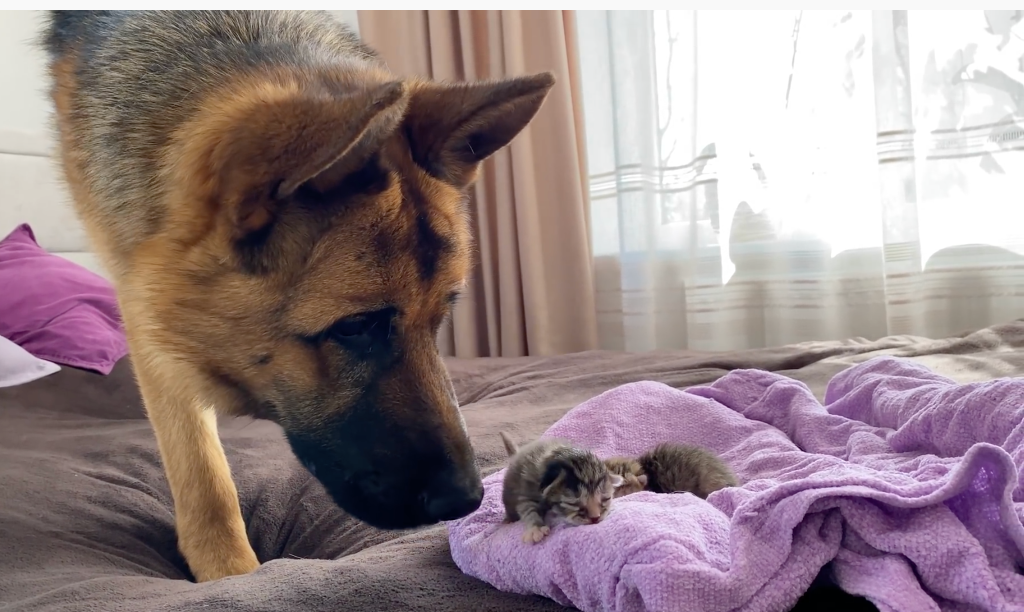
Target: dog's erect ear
x=284, y=142
x=453, y=127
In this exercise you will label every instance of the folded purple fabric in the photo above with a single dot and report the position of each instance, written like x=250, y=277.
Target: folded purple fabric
x=56, y=309
x=904, y=479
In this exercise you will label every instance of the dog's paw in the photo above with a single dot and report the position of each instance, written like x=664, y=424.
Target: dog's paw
x=214, y=563
x=224, y=568
x=534, y=534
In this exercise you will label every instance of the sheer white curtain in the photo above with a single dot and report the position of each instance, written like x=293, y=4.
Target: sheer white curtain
x=762, y=178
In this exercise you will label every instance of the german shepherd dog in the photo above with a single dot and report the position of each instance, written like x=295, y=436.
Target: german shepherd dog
x=285, y=223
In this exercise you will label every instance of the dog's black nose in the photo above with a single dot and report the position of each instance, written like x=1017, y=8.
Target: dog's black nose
x=448, y=498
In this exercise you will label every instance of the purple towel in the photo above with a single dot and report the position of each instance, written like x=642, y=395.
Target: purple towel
x=904, y=479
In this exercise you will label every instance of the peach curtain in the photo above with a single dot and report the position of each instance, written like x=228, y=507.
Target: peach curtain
x=532, y=292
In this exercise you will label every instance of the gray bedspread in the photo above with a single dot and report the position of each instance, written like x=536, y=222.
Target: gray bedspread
x=85, y=512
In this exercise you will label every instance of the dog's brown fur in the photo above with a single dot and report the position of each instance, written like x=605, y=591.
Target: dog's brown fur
x=284, y=222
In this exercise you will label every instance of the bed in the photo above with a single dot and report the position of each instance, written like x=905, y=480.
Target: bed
x=85, y=512
x=86, y=516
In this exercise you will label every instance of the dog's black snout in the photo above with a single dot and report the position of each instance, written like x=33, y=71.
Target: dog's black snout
x=449, y=498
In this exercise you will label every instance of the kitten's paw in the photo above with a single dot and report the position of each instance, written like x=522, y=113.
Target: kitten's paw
x=534, y=534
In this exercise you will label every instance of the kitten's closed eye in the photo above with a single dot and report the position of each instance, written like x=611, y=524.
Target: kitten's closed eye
x=573, y=510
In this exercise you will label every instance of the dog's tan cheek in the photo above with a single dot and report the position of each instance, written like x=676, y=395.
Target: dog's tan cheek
x=314, y=383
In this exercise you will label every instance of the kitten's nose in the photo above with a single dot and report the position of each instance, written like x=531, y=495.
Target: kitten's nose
x=594, y=520
x=452, y=496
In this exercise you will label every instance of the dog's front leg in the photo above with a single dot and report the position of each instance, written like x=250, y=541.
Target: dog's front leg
x=211, y=532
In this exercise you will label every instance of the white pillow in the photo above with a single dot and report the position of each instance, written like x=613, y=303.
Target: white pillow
x=18, y=366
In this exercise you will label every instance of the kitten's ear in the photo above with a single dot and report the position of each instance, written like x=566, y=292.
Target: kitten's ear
x=453, y=127
x=642, y=479
x=616, y=480
x=510, y=445
x=287, y=139
x=554, y=478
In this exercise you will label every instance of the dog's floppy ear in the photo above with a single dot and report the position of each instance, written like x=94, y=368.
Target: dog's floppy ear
x=453, y=127
x=285, y=141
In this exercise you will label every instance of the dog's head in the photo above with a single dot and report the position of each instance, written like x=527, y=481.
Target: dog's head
x=323, y=226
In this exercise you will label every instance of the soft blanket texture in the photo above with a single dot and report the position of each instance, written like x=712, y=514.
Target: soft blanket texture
x=86, y=515
x=904, y=478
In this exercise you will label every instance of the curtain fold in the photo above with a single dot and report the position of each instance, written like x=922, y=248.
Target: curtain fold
x=759, y=178
x=532, y=291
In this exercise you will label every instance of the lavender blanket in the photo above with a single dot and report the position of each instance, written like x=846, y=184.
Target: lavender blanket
x=905, y=480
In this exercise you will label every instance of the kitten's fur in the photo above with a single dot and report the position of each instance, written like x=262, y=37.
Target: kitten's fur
x=550, y=478
x=633, y=477
x=677, y=468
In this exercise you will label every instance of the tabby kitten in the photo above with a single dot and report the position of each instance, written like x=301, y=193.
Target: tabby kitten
x=633, y=477
x=678, y=468
x=549, y=480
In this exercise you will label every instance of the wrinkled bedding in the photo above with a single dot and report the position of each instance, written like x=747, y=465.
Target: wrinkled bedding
x=85, y=512
x=905, y=481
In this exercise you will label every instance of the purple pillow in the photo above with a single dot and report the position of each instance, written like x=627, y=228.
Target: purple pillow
x=56, y=309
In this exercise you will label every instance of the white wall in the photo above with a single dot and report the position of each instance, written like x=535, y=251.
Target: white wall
x=30, y=189
x=25, y=105
x=349, y=17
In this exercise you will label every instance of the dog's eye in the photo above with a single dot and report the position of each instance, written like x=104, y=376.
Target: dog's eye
x=352, y=327
x=366, y=328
